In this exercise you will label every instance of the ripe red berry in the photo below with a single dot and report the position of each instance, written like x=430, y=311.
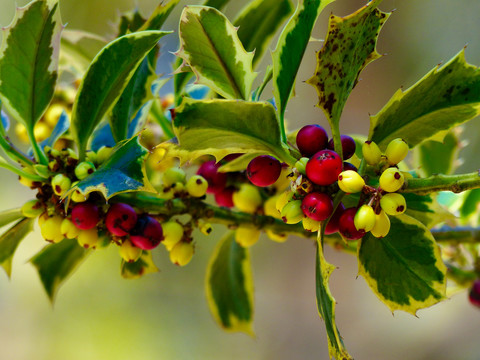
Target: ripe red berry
x=334, y=222
x=324, y=167
x=216, y=180
x=225, y=197
x=147, y=233
x=85, y=216
x=311, y=139
x=317, y=206
x=474, y=294
x=264, y=170
x=120, y=219
x=346, y=225
x=348, y=146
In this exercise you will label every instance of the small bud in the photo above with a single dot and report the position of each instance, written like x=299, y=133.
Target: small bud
x=173, y=175
x=172, y=233
x=129, y=252
x=247, y=198
x=382, y=225
x=60, y=184
x=292, y=213
x=391, y=180
x=364, y=218
x=197, y=186
x=182, y=253
x=393, y=204
x=84, y=169
x=247, y=236
x=32, y=208
x=371, y=153
x=397, y=150
x=350, y=182
x=88, y=239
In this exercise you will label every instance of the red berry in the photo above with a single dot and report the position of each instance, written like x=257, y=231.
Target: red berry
x=216, y=180
x=264, y=170
x=225, y=197
x=346, y=225
x=120, y=219
x=324, y=167
x=348, y=146
x=85, y=216
x=317, y=206
x=333, y=223
x=147, y=233
x=231, y=157
x=474, y=295
x=311, y=139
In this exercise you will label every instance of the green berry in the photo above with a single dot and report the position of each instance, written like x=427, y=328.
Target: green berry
x=393, y=204
x=103, y=154
x=50, y=229
x=32, y=208
x=68, y=229
x=391, y=180
x=364, y=218
x=371, y=153
x=350, y=182
x=301, y=164
x=84, y=169
x=182, y=253
x=247, y=198
x=91, y=156
x=283, y=199
x=382, y=225
x=173, y=175
x=88, y=239
x=197, y=186
x=397, y=150
x=292, y=213
x=310, y=224
x=129, y=252
x=247, y=236
x=172, y=233
x=61, y=184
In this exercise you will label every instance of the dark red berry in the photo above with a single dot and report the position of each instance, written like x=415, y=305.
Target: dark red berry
x=347, y=227
x=225, y=197
x=216, y=180
x=317, y=206
x=349, y=166
x=324, y=167
x=85, y=215
x=311, y=139
x=120, y=219
x=333, y=223
x=264, y=170
x=231, y=157
x=474, y=295
x=348, y=146
x=147, y=233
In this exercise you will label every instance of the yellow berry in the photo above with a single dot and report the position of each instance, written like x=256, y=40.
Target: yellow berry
x=173, y=175
x=84, y=169
x=53, y=114
x=68, y=229
x=364, y=219
x=182, y=253
x=247, y=236
x=391, y=180
x=382, y=225
x=270, y=209
x=21, y=132
x=283, y=180
x=50, y=229
x=371, y=153
x=283, y=199
x=32, y=208
x=393, y=204
x=129, y=252
x=88, y=238
x=60, y=184
x=247, y=198
x=397, y=150
x=206, y=228
x=197, y=186
x=277, y=237
x=310, y=224
x=350, y=182
x=172, y=234
x=292, y=212
x=41, y=131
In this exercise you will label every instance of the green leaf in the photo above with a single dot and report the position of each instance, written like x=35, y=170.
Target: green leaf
x=258, y=22
x=348, y=49
x=159, y=15
x=9, y=216
x=290, y=49
x=436, y=157
x=222, y=127
x=470, y=203
x=143, y=266
x=124, y=171
x=217, y=4
x=105, y=80
x=10, y=240
x=447, y=96
x=404, y=269
x=77, y=50
x=28, y=63
x=229, y=286
x=56, y=262
x=326, y=305
x=426, y=209
x=209, y=44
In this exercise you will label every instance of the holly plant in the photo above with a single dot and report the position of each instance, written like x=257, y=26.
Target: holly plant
x=113, y=160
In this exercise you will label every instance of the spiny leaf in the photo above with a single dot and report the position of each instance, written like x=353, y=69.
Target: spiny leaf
x=426, y=209
x=446, y=97
x=405, y=268
x=229, y=286
x=436, y=157
x=159, y=15
x=209, y=44
x=10, y=240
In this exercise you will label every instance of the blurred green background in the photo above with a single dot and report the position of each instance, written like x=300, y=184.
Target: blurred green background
x=98, y=315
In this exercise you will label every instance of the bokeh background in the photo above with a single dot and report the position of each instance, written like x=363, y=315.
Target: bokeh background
x=99, y=315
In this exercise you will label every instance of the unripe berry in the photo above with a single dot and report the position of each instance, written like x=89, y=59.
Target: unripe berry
x=182, y=253
x=225, y=197
x=32, y=208
x=173, y=175
x=364, y=219
x=120, y=219
x=197, y=186
x=348, y=146
x=147, y=233
x=129, y=252
x=60, y=184
x=277, y=237
x=474, y=294
x=77, y=196
x=346, y=225
x=283, y=199
x=311, y=139
x=292, y=212
x=85, y=216
x=84, y=169
x=247, y=236
x=216, y=180
x=103, y=154
x=393, y=204
x=324, y=167
x=317, y=206
x=391, y=180
x=333, y=223
x=27, y=182
x=269, y=207
x=311, y=225
x=50, y=229
x=382, y=225
x=350, y=182
x=397, y=150
x=88, y=239
x=371, y=153
x=91, y=157
x=263, y=170
x=42, y=218
x=301, y=164
x=247, y=198
x=172, y=233
x=68, y=229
